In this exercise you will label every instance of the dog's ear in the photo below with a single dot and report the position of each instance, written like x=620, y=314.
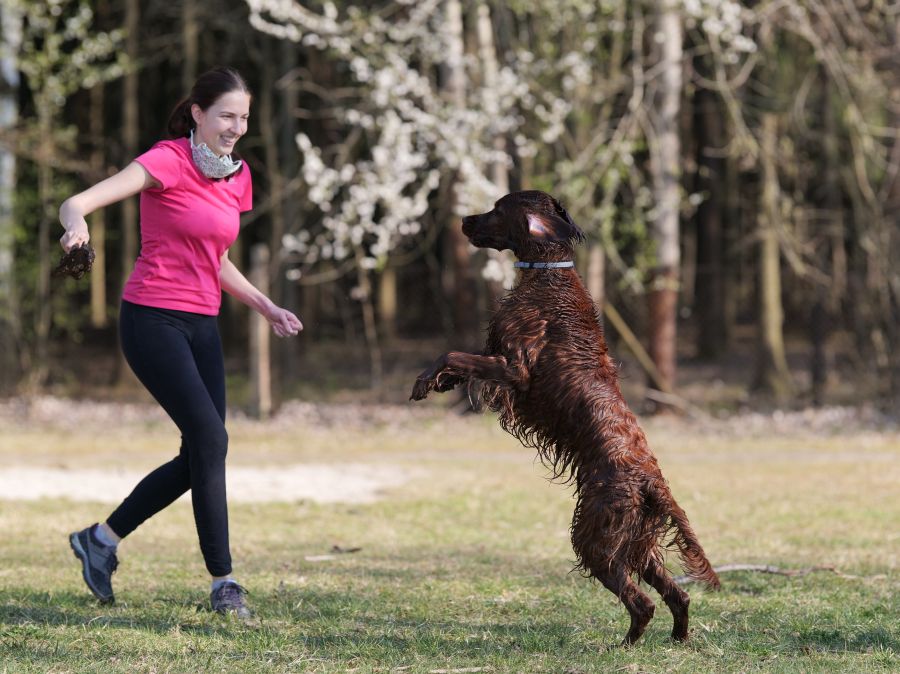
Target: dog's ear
x=545, y=227
x=563, y=213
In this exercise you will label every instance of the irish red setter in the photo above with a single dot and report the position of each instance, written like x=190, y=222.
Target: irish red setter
x=547, y=372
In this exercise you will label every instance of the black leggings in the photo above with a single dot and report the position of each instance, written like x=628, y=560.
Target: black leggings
x=178, y=356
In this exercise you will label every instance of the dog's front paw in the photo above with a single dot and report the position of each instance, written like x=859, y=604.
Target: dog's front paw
x=421, y=388
x=444, y=382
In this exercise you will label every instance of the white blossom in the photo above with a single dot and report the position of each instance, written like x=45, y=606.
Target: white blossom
x=724, y=21
x=377, y=195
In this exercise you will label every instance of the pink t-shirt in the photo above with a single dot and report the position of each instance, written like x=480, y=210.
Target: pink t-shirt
x=186, y=226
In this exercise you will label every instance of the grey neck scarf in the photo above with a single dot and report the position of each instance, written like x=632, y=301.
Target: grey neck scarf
x=210, y=164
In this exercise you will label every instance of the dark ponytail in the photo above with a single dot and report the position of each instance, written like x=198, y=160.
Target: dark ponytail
x=206, y=90
x=180, y=120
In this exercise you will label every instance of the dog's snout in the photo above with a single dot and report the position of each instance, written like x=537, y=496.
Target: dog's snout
x=485, y=231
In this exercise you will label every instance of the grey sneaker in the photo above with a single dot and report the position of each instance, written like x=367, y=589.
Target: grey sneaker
x=229, y=598
x=98, y=562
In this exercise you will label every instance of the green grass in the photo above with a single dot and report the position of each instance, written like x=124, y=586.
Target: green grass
x=466, y=566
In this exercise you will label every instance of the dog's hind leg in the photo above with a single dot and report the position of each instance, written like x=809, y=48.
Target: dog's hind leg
x=640, y=606
x=676, y=599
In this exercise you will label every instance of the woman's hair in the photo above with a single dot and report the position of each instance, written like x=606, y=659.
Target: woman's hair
x=206, y=90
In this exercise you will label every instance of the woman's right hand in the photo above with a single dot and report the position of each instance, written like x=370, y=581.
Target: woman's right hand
x=72, y=219
x=76, y=234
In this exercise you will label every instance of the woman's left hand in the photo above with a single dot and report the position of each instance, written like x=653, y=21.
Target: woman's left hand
x=284, y=323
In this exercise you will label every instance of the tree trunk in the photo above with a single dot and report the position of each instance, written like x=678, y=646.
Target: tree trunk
x=772, y=374
x=487, y=52
x=892, y=214
x=276, y=183
x=370, y=327
x=190, y=30
x=43, y=315
x=710, y=277
x=288, y=294
x=733, y=275
x=498, y=171
x=663, y=294
x=260, y=338
x=387, y=302
x=10, y=320
x=130, y=137
x=596, y=271
x=828, y=299
x=459, y=278
x=98, y=217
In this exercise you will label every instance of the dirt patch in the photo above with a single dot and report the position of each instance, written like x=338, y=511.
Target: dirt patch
x=320, y=483
x=47, y=476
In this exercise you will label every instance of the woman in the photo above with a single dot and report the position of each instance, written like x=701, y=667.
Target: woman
x=192, y=194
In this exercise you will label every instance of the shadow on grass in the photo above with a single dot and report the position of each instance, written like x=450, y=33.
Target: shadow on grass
x=332, y=623
x=71, y=609
x=836, y=640
x=335, y=623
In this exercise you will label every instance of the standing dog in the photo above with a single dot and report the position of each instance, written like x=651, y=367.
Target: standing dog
x=547, y=372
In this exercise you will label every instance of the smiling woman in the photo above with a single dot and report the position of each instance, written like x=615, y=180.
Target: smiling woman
x=192, y=195
x=224, y=122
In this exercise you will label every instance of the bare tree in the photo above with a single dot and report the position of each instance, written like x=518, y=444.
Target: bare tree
x=772, y=373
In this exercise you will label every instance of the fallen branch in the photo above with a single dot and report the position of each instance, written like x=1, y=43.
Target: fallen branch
x=676, y=401
x=767, y=568
x=637, y=349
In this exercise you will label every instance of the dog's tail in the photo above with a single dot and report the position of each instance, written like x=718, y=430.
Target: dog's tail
x=689, y=549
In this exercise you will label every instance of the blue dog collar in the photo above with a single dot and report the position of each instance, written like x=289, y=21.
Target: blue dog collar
x=544, y=265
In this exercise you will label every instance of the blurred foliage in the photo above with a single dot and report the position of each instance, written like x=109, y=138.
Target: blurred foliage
x=360, y=121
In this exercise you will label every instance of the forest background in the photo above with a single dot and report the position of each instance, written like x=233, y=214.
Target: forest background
x=735, y=165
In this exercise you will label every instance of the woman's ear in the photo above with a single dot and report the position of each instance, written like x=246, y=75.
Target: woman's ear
x=196, y=113
x=544, y=227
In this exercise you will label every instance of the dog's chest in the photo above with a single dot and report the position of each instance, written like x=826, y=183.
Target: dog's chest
x=555, y=335
x=516, y=324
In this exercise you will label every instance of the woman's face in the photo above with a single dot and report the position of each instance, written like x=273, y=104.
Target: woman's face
x=223, y=122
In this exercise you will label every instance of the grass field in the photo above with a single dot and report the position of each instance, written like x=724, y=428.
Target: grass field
x=466, y=567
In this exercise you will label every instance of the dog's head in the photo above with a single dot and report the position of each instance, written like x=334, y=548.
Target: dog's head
x=531, y=224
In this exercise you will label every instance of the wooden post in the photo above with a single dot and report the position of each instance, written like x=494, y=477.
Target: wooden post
x=260, y=362
x=387, y=302
x=98, y=217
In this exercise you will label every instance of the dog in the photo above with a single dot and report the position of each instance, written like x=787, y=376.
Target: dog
x=547, y=372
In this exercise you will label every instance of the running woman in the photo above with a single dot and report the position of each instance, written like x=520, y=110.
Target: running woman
x=192, y=194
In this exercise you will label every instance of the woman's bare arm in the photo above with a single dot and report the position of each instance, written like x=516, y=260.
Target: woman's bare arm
x=283, y=322
x=132, y=179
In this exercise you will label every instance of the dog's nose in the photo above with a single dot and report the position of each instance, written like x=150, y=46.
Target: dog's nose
x=467, y=225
